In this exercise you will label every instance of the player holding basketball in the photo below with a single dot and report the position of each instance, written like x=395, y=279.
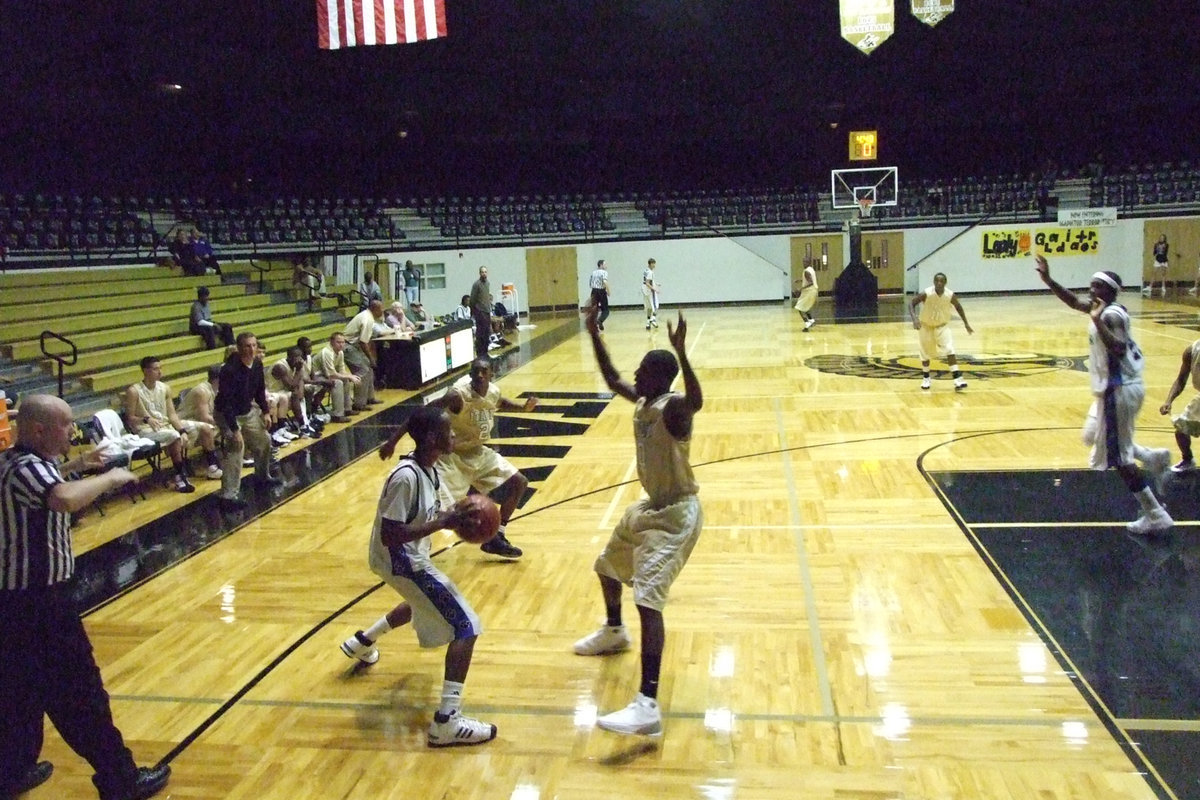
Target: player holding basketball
x=656, y=535
x=1115, y=366
x=409, y=511
x=933, y=328
x=472, y=402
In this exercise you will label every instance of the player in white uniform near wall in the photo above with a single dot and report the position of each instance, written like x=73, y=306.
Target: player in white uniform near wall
x=654, y=538
x=933, y=328
x=1187, y=424
x=808, y=296
x=650, y=294
x=1115, y=367
x=472, y=402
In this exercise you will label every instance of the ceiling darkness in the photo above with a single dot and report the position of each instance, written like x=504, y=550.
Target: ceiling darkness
x=581, y=95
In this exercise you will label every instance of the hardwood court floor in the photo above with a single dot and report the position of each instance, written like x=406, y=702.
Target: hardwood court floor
x=835, y=635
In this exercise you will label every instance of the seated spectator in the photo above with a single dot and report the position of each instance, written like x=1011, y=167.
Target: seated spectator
x=370, y=291
x=418, y=315
x=150, y=413
x=397, y=320
x=279, y=401
x=287, y=376
x=202, y=324
x=197, y=404
x=307, y=277
x=183, y=254
x=202, y=253
x=315, y=386
x=464, y=309
x=330, y=363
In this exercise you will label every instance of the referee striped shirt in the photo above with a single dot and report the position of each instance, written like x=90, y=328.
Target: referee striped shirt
x=598, y=278
x=35, y=542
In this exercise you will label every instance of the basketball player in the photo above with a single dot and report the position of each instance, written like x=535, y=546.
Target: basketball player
x=1187, y=424
x=472, y=403
x=933, y=328
x=808, y=296
x=409, y=511
x=1115, y=365
x=656, y=535
x=1159, y=267
x=650, y=294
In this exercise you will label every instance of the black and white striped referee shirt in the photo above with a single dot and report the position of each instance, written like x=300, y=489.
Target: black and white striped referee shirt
x=35, y=542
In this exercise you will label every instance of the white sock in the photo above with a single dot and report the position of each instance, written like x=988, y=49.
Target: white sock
x=1147, y=500
x=451, y=698
x=378, y=629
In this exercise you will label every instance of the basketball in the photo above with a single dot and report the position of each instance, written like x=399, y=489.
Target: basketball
x=484, y=518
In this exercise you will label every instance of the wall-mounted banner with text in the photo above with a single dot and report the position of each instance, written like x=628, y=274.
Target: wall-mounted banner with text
x=931, y=12
x=866, y=24
x=1021, y=243
x=1084, y=217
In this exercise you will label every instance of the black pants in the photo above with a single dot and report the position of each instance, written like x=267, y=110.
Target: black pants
x=48, y=668
x=483, y=331
x=209, y=333
x=600, y=300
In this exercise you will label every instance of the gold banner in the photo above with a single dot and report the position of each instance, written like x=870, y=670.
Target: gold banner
x=866, y=24
x=931, y=12
x=1021, y=243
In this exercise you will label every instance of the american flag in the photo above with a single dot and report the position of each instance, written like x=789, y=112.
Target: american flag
x=350, y=23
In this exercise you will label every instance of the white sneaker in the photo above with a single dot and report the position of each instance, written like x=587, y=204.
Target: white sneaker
x=641, y=717
x=358, y=646
x=609, y=639
x=810, y=322
x=926, y=383
x=654, y=321
x=1186, y=465
x=1192, y=290
x=1146, y=290
x=647, y=324
x=458, y=730
x=1155, y=521
x=213, y=473
x=960, y=384
x=1157, y=462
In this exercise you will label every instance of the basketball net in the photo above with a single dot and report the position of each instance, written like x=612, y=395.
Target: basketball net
x=864, y=207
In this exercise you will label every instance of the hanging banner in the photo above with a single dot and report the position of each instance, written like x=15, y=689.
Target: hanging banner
x=931, y=12
x=866, y=24
x=1022, y=242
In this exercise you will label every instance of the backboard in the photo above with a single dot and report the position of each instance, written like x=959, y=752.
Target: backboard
x=848, y=187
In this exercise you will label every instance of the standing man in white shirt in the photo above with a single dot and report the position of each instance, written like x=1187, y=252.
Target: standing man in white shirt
x=650, y=294
x=598, y=283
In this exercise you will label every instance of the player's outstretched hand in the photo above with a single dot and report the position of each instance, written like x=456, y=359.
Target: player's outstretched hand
x=677, y=333
x=1165, y=408
x=530, y=403
x=385, y=452
x=1043, y=266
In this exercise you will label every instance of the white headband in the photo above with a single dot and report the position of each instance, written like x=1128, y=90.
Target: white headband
x=1100, y=276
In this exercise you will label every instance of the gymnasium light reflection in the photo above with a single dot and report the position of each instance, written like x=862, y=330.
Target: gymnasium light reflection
x=228, y=596
x=895, y=723
x=525, y=791
x=585, y=713
x=1031, y=658
x=722, y=663
x=1075, y=732
x=719, y=720
x=719, y=789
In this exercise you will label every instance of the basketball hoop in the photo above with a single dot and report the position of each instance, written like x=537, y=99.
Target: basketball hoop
x=864, y=207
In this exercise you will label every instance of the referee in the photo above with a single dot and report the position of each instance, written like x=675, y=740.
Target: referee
x=598, y=283
x=48, y=667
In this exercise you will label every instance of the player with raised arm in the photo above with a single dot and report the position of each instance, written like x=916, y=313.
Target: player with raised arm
x=655, y=536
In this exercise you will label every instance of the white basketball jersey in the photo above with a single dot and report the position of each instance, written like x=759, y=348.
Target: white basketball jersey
x=153, y=402
x=1196, y=365
x=1106, y=369
x=473, y=426
x=662, y=460
x=937, y=308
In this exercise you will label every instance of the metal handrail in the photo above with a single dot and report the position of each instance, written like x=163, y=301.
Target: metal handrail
x=262, y=270
x=58, y=357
